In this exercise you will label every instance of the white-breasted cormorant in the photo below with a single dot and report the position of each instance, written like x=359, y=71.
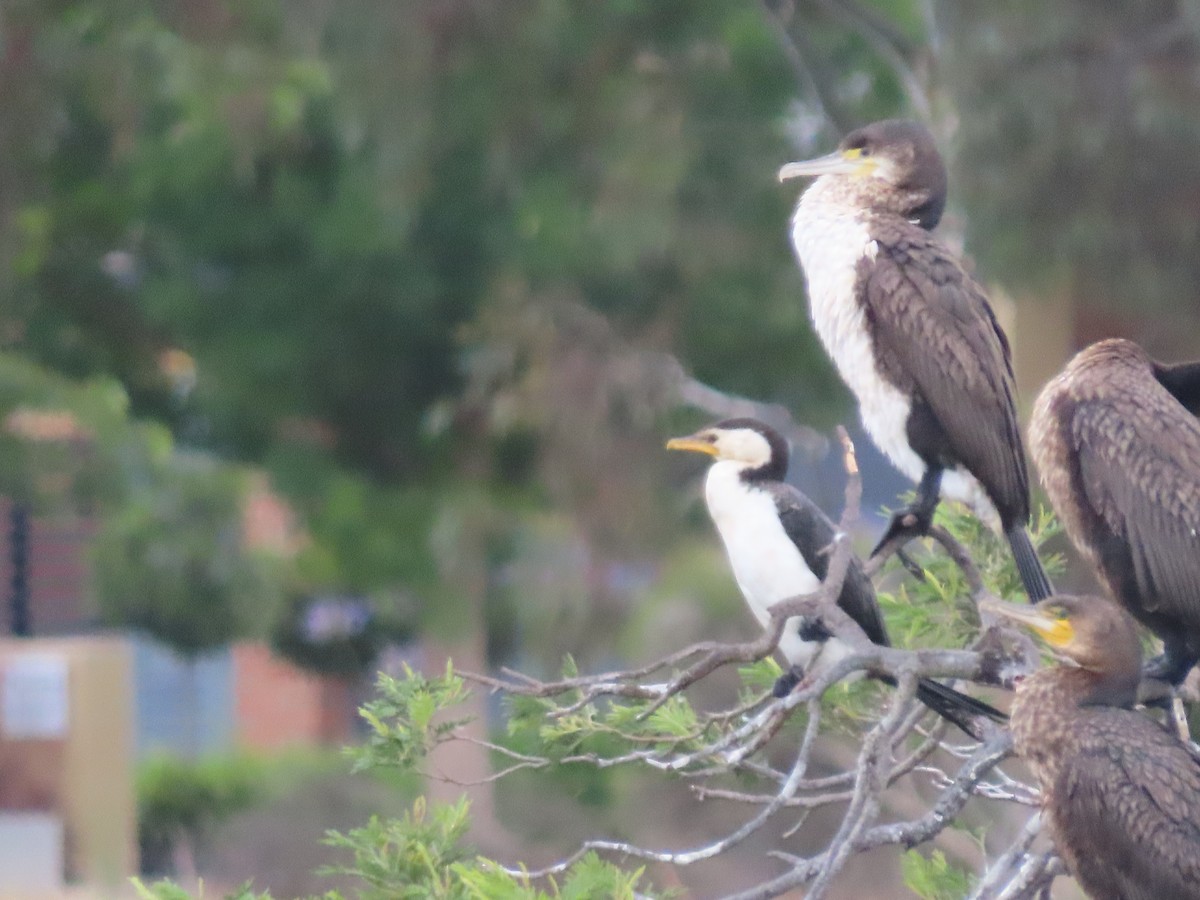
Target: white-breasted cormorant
x=912, y=333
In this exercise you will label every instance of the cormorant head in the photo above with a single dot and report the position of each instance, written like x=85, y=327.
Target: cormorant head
x=1109, y=352
x=1093, y=632
x=890, y=166
x=1120, y=360
x=758, y=449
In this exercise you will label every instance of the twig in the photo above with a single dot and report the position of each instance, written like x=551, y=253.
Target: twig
x=1002, y=871
x=797, y=49
x=868, y=789
x=695, y=393
x=906, y=834
x=1034, y=877
x=684, y=858
x=883, y=41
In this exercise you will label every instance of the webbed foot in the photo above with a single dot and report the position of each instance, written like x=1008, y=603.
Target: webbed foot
x=906, y=524
x=787, y=682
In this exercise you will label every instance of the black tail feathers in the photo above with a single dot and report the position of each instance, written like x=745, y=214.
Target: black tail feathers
x=1029, y=567
x=958, y=708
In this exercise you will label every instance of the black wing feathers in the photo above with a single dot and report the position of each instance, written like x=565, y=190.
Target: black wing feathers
x=812, y=532
x=936, y=336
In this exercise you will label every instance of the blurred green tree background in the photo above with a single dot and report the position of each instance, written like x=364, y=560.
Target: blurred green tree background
x=408, y=257
x=437, y=267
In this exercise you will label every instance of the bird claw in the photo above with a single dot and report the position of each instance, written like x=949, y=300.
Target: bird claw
x=910, y=565
x=787, y=682
x=908, y=523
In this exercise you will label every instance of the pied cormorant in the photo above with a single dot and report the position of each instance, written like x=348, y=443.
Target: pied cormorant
x=912, y=333
x=1116, y=442
x=779, y=542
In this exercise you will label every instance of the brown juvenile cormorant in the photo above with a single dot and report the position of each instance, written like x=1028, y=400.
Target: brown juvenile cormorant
x=1121, y=794
x=778, y=543
x=1116, y=442
x=911, y=333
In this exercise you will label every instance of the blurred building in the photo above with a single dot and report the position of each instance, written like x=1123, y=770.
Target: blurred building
x=242, y=697
x=45, y=572
x=67, y=808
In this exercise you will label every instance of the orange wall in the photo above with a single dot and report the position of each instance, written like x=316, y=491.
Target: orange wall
x=279, y=705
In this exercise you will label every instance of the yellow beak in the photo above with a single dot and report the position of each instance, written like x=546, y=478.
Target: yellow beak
x=693, y=443
x=841, y=162
x=1056, y=631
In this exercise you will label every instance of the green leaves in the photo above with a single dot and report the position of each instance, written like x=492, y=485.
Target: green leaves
x=172, y=561
x=759, y=677
x=184, y=800
x=575, y=732
x=404, y=719
x=937, y=612
x=410, y=857
x=675, y=718
x=933, y=877
x=422, y=856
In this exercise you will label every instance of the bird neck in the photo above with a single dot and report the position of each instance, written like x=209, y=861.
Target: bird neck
x=729, y=494
x=728, y=476
x=772, y=470
x=865, y=198
x=1066, y=693
x=1077, y=686
x=1053, y=706
x=829, y=195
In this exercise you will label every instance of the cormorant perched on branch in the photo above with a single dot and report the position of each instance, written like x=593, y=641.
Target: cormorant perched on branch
x=912, y=333
x=778, y=542
x=1121, y=794
x=1116, y=441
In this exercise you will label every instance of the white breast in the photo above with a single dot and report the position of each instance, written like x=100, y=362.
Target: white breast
x=766, y=564
x=830, y=242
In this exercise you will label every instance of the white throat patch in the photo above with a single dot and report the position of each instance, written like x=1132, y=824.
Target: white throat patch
x=745, y=446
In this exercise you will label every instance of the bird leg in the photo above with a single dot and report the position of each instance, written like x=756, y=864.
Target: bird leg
x=813, y=630
x=915, y=519
x=1173, y=665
